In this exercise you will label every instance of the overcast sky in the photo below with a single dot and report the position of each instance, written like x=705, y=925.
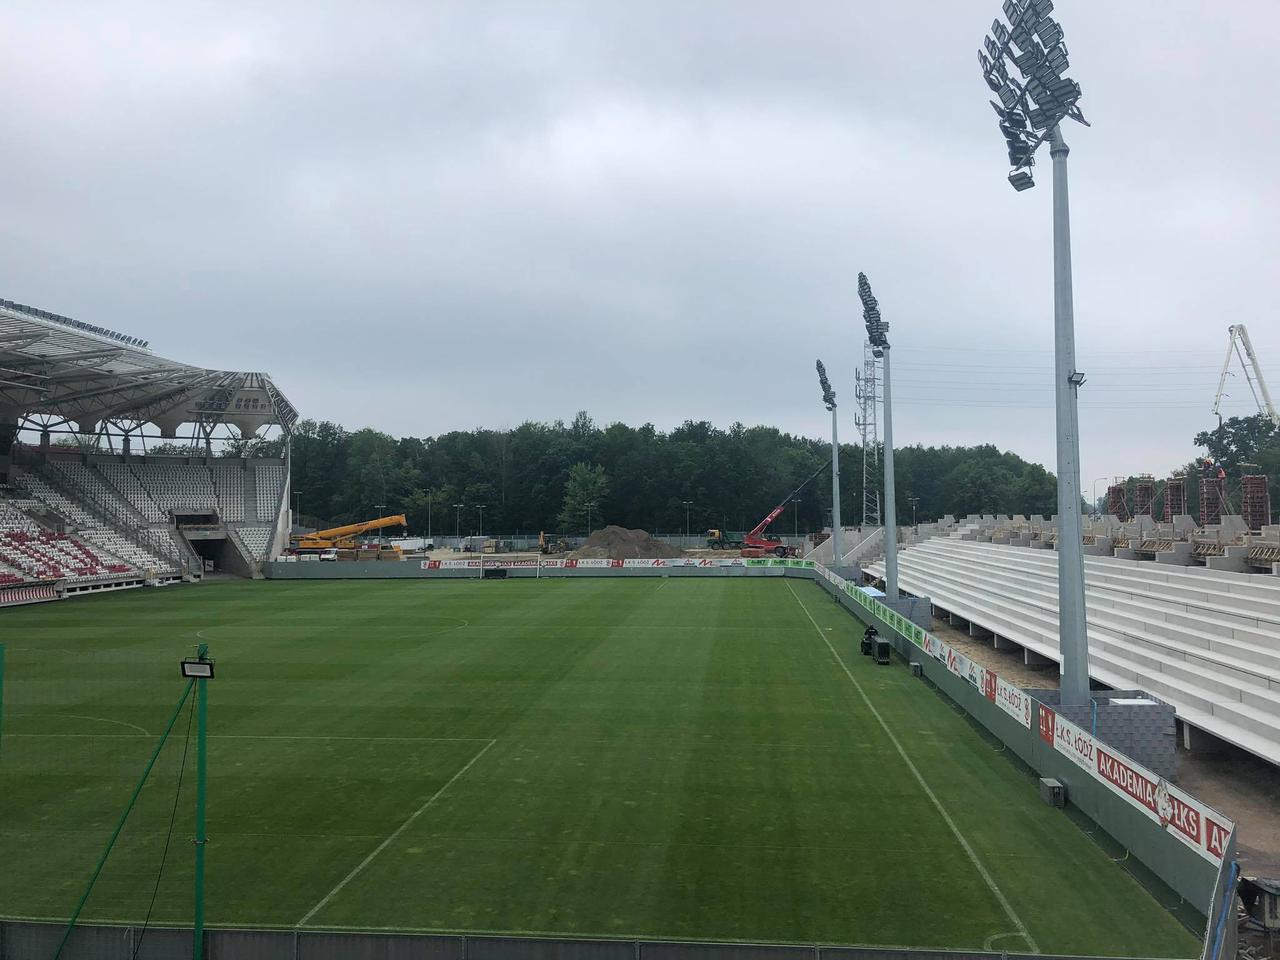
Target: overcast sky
x=424, y=216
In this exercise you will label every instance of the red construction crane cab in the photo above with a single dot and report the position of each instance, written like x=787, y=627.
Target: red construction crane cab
x=757, y=543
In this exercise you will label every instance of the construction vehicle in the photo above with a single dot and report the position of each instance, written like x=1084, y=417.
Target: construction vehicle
x=344, y=537
x=551, y=544
x=757, y=543
x=723, y=540
x=1237, y=337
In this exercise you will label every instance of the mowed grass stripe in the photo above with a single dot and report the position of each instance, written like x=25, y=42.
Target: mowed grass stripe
x=1020, y=927
x=674, y=758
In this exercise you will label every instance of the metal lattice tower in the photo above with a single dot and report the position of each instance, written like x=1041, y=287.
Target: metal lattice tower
x=868, y=426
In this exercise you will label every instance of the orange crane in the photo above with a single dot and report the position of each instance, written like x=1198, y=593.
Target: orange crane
x=343, y=538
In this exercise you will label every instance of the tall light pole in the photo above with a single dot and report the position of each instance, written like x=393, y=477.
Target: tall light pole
x=829, y=400
x=1094, y=505
x=1030, y=112
x=876, y=330
x=428, y=516
x=913, y=501
x=687, y=505
x=480, y=527
x=457, y=513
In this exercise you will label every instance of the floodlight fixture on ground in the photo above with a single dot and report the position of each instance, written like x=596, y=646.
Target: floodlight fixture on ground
x=877, y=334
x=829, y=401
x=1044, y=98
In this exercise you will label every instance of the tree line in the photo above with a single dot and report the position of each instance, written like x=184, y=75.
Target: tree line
x=562, y=477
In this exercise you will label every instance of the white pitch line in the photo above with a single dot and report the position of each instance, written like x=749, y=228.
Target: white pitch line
x=946, y=817
x=79, y=716
x=391, y=839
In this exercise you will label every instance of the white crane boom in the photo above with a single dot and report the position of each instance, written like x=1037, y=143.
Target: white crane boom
x=1238, y=336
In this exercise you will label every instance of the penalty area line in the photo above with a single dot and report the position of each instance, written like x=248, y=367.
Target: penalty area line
x=1022, y=930
x=391, y=839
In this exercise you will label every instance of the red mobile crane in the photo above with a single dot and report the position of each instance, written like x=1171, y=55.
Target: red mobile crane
x=757, y=543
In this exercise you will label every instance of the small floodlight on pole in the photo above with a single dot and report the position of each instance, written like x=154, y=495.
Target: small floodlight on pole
x=687, y=505
x=457, y=521
x=876, y=330
x=1031, y=112
x=829, y=400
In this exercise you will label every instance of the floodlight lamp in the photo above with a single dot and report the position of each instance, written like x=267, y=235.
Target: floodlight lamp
x=197, y=669
x=828, y=395
x=1021, y=180
x=1076, y=379
x=1049, y=32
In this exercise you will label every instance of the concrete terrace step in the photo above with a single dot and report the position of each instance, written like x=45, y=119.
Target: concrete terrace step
x=1130, y=633
x=1255, y=651
x=1257, y=608
x=1243, y=724
x=1233, y=703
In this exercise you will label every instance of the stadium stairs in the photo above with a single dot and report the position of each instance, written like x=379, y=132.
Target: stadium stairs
x=1206, y=641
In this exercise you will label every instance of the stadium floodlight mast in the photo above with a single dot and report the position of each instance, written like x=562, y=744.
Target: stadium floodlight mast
x=876, y=330
x=1030, y=112
x=687, y=505
x=829, y=400
x=457, y=523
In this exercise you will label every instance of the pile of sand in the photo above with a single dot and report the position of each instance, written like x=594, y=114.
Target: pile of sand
x=619, y=543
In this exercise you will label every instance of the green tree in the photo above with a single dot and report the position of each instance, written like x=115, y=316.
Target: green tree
x=583, y=495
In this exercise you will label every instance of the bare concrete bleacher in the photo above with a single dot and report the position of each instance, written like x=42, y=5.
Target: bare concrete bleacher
x=1205, y=640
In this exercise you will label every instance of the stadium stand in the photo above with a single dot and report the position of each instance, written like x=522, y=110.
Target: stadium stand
x=38, y=554
x=228, y=483
x=93, y=530
x=128, y=485
x=270, y=482
x=172, y=515
x=1206, y=641
x=178, y=487
x=257, y=539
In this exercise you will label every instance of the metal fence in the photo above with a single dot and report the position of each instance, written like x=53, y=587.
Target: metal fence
x=26, y=940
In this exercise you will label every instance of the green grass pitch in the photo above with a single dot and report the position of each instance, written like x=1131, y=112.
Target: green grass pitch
x=670, y=758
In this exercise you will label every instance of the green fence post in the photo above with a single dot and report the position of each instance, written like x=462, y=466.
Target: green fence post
x=202, y=767
x=1, y=701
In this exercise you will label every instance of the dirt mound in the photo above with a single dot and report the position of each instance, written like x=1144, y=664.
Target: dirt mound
x=619, y=543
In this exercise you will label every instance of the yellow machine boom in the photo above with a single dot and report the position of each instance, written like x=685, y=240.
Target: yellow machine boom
x=324, y=539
